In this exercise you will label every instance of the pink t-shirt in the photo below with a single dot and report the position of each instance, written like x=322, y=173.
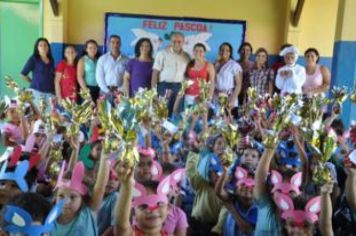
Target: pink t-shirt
x=14, y=132
x=314, y=80
x=176, y=220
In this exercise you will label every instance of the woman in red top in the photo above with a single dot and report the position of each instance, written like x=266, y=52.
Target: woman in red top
x=198, y=69
x=66, y=76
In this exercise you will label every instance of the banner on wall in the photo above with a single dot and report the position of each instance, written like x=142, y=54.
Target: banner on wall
x=210, y=32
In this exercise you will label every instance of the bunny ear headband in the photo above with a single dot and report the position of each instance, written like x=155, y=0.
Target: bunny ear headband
x=309, y=214
x=20, y=221
x=140, y=196
x=17, y=153
x=284, y=187
x=18, y=176
x=288, y=154
x=76, y=182
x=243, y=178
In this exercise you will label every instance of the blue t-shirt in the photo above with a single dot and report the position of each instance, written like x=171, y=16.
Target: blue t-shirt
x=42, y=74
x=250, y=216
x=106, y=212
x=267, y=222
x=83, y=224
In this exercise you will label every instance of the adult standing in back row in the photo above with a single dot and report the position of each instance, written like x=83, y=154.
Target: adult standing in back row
x=110, y=69
x=169, y=69
x=41, y=64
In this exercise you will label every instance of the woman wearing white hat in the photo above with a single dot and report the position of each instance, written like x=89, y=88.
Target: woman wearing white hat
x=291, y=77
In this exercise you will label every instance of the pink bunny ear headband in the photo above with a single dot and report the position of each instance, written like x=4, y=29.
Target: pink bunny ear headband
x=156, y=168
x=75, y=183
x=286, y=188
x=140, y=196
x=242, y=177
x=309, y=214
x=147, y=152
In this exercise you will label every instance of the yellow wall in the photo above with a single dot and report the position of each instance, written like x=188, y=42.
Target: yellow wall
x=317, y=25
x=346, y=30
x=266, y=19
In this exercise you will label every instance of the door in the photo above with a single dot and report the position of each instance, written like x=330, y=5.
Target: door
x=19, y=29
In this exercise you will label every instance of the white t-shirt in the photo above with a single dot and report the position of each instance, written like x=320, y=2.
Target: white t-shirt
x=226, y=75
x=171, y=65
x=293, y=82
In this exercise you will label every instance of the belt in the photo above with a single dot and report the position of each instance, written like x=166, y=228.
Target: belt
x=112, y=88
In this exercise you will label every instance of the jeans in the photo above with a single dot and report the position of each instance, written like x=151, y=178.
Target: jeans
x=37, y=95
x=174, y=87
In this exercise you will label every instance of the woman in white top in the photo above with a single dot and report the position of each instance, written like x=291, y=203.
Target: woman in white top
x=291, y=77
x=228, y=75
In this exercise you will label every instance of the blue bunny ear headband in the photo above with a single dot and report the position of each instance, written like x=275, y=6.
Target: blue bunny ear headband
x=18, y=176
x=288, y=154
x=208, y=162
x=20, y=221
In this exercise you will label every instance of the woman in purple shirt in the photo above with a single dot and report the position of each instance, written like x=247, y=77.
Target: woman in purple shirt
x=41, y=64
x=139, y=69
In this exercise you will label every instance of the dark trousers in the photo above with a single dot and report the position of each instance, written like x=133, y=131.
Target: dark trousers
x=198, y=228
x=94, y=92
x=174, y=87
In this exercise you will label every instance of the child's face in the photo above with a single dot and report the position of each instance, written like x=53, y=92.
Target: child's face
x=143, y=170
x=13, y=115
x=70, y=54
x=39, y=137
x=8, y=189
x=73, y=201
x=245, y=194
x=250, y=158
x=219, y=146
x=292, y=230
x=147, y=219
x=112, y=186
x=96, y=151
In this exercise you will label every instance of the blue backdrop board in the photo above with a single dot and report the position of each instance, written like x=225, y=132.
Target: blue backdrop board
x=210, y=32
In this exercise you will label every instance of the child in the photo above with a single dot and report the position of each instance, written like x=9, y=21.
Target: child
x=288, y=222
x=66, y=76
x=242, y=215
x=78, y=217
x=33, y=210
x=147, y=168
x=106, y=211
x=15, y=131
x=150, y=209
x=12, y=181
x=203, y=177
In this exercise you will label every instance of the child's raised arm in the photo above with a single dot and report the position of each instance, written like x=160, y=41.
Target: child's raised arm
x=123, y=204
x=325, y=224
x=262, y=172
x=101, y=182
x=350, y=190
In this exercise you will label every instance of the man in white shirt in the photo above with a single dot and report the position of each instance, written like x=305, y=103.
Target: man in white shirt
x=110, y=69
x=169, y=69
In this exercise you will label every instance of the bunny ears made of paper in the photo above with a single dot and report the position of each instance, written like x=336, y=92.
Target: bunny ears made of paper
x=309, y=214
x=288, y=154
x=20, y=221
x=76, y=182
x=13, y=155
x=18, y=176
x=284, y=187
x=147, y=152
x=140, y=196
x=243, y=177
